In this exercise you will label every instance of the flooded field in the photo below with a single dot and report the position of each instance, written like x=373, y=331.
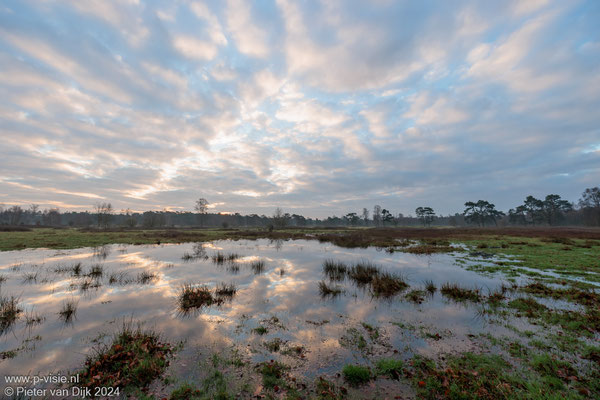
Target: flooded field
x=313, y=307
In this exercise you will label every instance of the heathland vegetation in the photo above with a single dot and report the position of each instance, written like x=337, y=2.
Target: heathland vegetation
x=522, y=288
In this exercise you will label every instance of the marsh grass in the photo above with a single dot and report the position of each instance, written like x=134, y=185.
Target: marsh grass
x=430, y=286
x=120, y=278
x=225, y=290
x=416, y=296
x=335, y=270
x=363, y=273
x=455, y=292
x=430, y=249
x=132, y=361
x=221, y=258
x=195, y=297
x=146, y=277
x=96, y=271
x=233, y=268
x=62, y=269
x=257, y=267
x=68, y=311
x=30, y=277
x=528, y=306
x=76, y=269
x=387, y=284
x=188, y=257
x=89, y=283
x=495, y=297
x=32, y=318
x=329, y=291
x=9, y=312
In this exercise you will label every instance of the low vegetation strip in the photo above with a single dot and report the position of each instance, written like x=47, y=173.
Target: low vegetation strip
x=69, y=238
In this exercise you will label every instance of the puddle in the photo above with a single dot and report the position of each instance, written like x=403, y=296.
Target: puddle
x=142, y=283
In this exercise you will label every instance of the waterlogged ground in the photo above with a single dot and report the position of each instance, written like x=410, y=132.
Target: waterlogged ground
x=282, y=334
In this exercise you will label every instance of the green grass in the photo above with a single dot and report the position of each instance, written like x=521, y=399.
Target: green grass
x=71, y=238
x=389, y=367
x=547, y=254
x=273, y=374
x=356, y=375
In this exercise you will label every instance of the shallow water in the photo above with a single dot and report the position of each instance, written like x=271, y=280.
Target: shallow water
x=284, y=297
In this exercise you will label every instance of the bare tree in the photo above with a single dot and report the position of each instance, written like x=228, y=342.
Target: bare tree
x=377, y=215
x=365, y=216
x=279, y=218
x=14, y=214
x=130, y=221
x=201, y=207
x=104, y=213
x=51, y=217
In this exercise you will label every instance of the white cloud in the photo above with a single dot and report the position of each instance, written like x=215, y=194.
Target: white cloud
x=249, y=38
x=429, y=109
x=194, y=48
x=214, y=26
x=507, y=60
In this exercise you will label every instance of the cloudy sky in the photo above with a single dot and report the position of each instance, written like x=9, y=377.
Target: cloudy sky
x=319, y=107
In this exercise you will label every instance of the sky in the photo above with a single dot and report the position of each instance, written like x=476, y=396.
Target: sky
x=318, y=107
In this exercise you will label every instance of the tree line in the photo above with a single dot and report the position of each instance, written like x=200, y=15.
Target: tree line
x=552, y=210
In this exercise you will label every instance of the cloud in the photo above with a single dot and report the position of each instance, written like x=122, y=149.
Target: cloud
x=194, y=48
x=317, y=107
x=249, y=38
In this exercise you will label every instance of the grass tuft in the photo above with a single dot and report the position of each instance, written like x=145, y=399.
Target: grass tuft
x=68, y=311
x=329, y=291
x=389, y=367
x=194, y=297
x=335, y=270
x=226, y=290
x=257, y=267
x=9, y=312
x=457, y=293
x=146, y=277
x=386, y=284
x=356, y=375
x=133, y=360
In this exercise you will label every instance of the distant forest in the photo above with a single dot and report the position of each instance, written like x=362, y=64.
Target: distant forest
x=550, y=211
